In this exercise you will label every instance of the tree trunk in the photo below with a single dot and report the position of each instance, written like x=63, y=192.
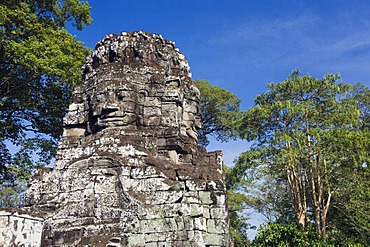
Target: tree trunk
x=297, y=198
x=325, y=206
x=297, y=188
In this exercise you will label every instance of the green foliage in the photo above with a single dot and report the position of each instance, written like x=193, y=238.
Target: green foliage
x=350, y=214
x=40, y=63
x=288, y=235
x=267, y=193
x=311, y=138
x=238, y=203
x=10, y=196
x=220, y=110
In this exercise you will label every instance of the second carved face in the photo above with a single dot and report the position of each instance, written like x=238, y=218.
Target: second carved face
x=114, y=105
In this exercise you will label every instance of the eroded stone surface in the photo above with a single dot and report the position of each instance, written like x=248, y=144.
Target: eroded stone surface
x=128, y=170
x=19, y=228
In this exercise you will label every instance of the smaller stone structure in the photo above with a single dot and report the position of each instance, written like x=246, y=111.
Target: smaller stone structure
x=20, y=228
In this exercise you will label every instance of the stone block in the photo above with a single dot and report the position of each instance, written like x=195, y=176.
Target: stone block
x=188, y=222
x=164, y=244
x=185, y=209
x=191, y=200
x=220, y=198
x=200, y=224
x=150, y=184
x=215, y=240
x=218, y=213
x=151, y=244
x=178, y=236
x=158, y=225
x=162, y=197
x=196, y=210
x=205, y=197
x=170, y=210
x=155, y=237
x=216, y=226
x=136, y=240
x=180, y=223
x=197, y=237
x=206, y=212
x=20, y=229
x=191, y=185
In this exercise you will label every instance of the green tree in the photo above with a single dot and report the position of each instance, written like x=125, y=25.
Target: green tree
x=306, y=135
x=238, y=204
x=219, y=111
x=350, y=219
x=39, y=63
x=288, y=235
x=350, y=213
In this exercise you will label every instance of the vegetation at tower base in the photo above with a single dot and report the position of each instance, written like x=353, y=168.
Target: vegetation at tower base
x=238, y=203
x=220, y=110
x=282, y=235
x=39, y=63
x=311, y=146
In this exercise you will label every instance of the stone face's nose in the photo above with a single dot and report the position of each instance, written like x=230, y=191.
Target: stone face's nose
x=122, y=95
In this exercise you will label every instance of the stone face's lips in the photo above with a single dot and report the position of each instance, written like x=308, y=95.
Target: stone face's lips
x=116, y=121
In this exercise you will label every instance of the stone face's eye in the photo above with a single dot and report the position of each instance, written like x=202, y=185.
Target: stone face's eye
x=173, y=83
x=121, y=94
x=100, y=97
x=142, y=94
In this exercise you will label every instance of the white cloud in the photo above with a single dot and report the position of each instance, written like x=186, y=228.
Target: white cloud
x=307, y=37
x=274, y=29
x=352, y=41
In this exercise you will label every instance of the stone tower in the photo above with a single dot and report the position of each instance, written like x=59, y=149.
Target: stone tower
x=128, y=170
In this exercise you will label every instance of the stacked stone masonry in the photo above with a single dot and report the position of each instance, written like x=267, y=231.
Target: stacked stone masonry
x=128, y=170
x=19, y=228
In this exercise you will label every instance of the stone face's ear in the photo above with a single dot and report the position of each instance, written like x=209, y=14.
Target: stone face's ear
x=191, y=121
x=75, y=122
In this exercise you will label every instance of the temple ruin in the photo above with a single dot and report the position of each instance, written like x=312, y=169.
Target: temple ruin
x=128, y=170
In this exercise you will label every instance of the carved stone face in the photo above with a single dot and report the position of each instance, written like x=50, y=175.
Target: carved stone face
x=77, y=114
x=92, y=188
x=114, y=104
x=173, y=91
x=191, y=121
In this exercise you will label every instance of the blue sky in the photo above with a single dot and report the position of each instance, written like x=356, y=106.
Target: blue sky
x=241, y=45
